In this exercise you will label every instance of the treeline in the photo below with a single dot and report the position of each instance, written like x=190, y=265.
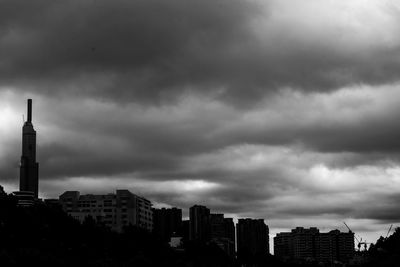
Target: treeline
x=46, y=236
x=386, y=251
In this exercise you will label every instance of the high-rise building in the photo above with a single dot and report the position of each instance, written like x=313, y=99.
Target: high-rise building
x=223, y=233
x=283, y=245
x=114, y=210
x=199, y=223
x=335, y=246
x=185, y=230
x=305, y=242
x=252, y=238
x=167, y=222
x=29, y=169
x=302, y=243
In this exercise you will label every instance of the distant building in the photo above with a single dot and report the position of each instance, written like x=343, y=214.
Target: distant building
x=199, y=223
x=185, y=230
x=283, y=246
x=25, y=198
x=305, y=243
x=114, y=210
x=336, y=246
x=310, y=244
x=51, y=202
x=223, y=233
x=252, y=238
x=167, y=223
x=29, y=168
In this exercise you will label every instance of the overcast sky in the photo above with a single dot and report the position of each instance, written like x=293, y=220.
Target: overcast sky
x=286, y=110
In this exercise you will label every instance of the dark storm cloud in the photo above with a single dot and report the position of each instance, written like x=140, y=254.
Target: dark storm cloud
x=383, y=208
x=359, y=119
x=140, y=48
x=160, y=143
x=9, y=170
x=87, y=161
x=313, y=211
x=154, y=50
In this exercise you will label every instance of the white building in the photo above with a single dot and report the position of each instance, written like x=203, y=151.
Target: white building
x=114, y=210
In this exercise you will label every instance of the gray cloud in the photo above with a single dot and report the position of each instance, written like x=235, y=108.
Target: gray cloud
x=154, y=50
x=135, y=48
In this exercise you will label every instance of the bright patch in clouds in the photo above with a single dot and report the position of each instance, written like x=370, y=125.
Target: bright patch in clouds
x=363, y=178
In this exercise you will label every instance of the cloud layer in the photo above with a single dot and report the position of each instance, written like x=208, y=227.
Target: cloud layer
x=283, y=110
x=237, y=50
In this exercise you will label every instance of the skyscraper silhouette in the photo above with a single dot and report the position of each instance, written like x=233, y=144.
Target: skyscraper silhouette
x=29, y=169
x=199, y=223
x=223, y=233
x=252, y=238
x=167, y=222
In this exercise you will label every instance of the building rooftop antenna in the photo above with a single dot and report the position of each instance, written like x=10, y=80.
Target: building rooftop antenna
x=29, y=110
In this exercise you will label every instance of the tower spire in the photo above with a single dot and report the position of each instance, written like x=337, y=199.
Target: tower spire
x=29, y=110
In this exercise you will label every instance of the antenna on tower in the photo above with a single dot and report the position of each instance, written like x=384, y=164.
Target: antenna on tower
x=29, y=110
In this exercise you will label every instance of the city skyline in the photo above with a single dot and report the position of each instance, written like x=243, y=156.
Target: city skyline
x=281, y=110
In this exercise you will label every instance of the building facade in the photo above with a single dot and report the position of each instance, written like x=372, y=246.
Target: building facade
x=305, y=243
x=283, y=245
x=199, y=223
x=114, y=210
x=215, y=228
x=223, y=233
x=310, y=244
x=252, y=238
x=335, y=246
x=185, y=230
x=167, y=223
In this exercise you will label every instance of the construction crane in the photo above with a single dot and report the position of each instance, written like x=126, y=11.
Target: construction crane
x=365, y=243
x=359, y=241
x=347, y=227
x=389, y=231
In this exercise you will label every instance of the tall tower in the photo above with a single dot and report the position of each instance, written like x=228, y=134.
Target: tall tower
x=29, y=170
x=199, y=224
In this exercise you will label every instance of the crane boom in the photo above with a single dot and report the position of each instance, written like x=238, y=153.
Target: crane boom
x=358, y=241
x=389, y=231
